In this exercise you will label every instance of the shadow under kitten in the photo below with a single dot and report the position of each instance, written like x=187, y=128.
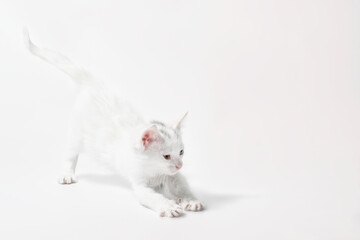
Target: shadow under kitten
x=212, y=200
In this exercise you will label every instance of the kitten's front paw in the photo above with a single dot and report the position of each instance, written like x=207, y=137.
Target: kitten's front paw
x=171, y=209
x=67, y=178
x=191, y=205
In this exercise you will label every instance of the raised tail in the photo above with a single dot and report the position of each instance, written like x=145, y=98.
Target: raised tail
x=78, y=74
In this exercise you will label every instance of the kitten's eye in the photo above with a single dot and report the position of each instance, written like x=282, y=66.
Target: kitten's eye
x=181, y=152
x=167, y=157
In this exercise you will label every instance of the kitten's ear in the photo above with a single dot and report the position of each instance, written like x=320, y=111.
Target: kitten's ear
x=179, y=124
x=149, y=136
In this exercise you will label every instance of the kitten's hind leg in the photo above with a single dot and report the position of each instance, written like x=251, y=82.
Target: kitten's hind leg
x=74, y=145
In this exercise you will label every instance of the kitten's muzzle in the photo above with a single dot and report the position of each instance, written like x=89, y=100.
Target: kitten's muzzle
x=178, y=166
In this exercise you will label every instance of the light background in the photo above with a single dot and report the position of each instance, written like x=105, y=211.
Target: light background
x=272, y=139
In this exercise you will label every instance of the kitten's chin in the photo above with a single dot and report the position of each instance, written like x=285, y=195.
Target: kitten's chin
x=172, y=171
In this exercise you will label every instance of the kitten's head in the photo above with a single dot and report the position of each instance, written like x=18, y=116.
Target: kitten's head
x=162, y=147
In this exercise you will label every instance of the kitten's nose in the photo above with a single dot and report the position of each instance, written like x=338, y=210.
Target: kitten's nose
x=178, y=166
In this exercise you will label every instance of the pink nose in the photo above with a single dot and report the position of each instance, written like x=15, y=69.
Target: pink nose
x=178, y=166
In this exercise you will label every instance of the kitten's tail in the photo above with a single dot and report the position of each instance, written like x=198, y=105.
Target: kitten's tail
x=78, y=74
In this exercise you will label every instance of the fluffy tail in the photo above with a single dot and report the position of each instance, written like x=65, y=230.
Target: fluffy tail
x=78, y=74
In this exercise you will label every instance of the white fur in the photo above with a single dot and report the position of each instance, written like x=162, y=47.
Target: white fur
x=102, y=121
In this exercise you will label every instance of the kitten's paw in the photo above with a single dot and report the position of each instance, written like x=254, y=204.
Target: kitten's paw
x=191, y=205
x=67, y=179
x=171, y=209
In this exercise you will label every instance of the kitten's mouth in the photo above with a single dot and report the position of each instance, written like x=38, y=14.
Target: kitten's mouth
x=173, y=170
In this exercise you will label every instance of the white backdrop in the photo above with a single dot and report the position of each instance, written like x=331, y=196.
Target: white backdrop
x=272, y=139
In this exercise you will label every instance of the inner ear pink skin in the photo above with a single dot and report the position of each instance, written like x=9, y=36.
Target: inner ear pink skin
x=149, y=136
x=147, y=140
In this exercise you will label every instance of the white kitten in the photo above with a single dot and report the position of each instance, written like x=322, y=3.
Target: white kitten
x=149, y=153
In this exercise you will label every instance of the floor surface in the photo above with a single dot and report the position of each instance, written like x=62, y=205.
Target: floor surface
x=272, y=138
